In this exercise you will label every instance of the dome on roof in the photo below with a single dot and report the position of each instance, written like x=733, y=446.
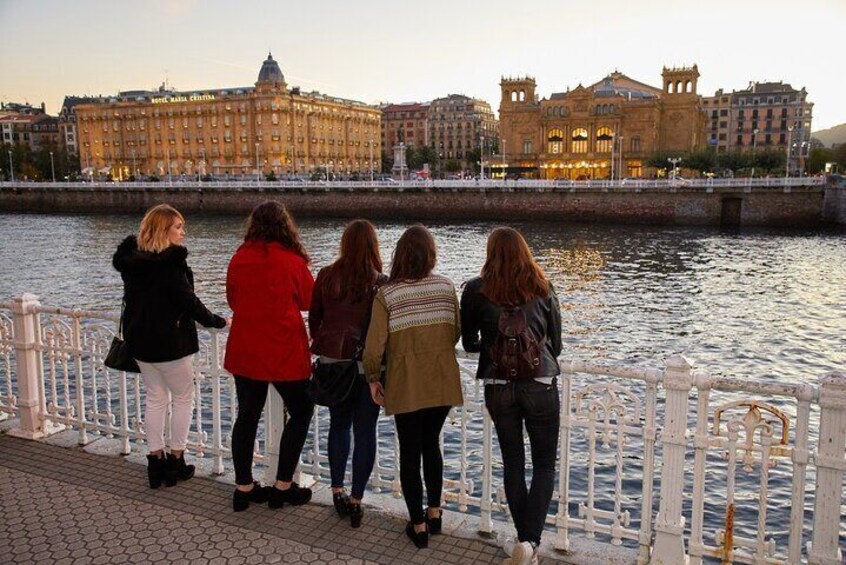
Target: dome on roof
x=270, y=71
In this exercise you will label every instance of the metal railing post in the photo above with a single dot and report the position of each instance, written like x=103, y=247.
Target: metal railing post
x=824, y=548
x=27, y=371
x=669, y=525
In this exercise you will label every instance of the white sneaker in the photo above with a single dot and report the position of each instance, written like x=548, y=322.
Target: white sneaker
x=524, y=554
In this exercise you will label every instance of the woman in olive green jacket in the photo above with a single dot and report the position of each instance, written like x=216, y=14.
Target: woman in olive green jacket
x=415, y=325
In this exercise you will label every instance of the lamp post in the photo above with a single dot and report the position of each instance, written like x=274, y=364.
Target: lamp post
x=504, y=176
x=258, y=164
x=787, y=148
x=169, y=178
x=11, y=166
x=52, y=167
x=203, y=162
x=675, y=161
x=754, y=144
x=620, y=157
x=134, y=168
x=370, y=143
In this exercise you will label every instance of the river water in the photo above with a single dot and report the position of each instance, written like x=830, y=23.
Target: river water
x=769, y=305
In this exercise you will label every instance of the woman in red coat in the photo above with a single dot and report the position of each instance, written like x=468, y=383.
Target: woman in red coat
x=268, y=285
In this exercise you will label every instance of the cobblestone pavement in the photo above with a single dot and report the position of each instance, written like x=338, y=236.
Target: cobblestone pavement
x=62, y=506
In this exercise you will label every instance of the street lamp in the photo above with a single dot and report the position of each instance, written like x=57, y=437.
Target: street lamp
x=203, y=161
x=11, y=166
x=169, y=178
x=52, y=167
x=675, y=161
x=134, y=167
x=504, y=176
x=754, y=143
x=787, y=148
x=370, y=142
x=258, y=165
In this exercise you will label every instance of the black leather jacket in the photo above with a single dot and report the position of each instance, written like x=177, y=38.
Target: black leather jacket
x=161, y=307
x=479, y=317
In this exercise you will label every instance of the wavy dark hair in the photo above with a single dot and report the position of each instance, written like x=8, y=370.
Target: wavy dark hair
x=415, y=255
x=510, y=275
x=270, y=221
x=359, y=263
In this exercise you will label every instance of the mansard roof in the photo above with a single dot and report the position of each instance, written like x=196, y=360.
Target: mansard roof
x=615, y=84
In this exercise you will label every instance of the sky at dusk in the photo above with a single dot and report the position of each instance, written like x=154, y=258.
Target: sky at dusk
x=376, y=51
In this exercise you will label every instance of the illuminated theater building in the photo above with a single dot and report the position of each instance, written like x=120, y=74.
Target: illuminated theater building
x=589, y=132
x=225, y=132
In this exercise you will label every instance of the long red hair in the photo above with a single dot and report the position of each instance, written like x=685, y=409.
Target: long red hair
x=354, y=272
x=510, y=275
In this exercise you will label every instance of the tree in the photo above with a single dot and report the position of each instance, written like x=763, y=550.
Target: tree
x=817, y=158
x=769, y=161
x=700, y=161
x=452, y=166
x=733, y=161
x=387, y=162
x=473, y=157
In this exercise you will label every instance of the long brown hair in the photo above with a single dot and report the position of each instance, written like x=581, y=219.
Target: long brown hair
x=353, y=272
x=270, y=221
x=414, y=256
x=510, y=275
x=152, y=235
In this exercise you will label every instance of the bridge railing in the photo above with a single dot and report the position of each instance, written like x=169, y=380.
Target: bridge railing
x=671, y=462
x=784, y=183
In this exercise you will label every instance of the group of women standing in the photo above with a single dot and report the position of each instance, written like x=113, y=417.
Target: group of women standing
x=401, y=329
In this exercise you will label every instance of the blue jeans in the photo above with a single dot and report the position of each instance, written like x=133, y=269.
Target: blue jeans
x=361, y=413
x=538, y=406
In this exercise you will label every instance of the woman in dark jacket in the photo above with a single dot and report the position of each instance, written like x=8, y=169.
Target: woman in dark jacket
x=268, y=286
x=338, y=320
x=160, y=332
x=511, y=281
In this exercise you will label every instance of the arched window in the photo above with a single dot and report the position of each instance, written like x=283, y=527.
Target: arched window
x=688, y=87
x=612, y=109
x=522, y=96
x=636, y=144
x=679, y=87
x=669, y=87
x=555, y=141
x=580, y=140
x=514, y=96
x=604, y=138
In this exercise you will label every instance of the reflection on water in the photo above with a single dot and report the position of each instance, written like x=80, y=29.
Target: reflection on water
x=758, y=303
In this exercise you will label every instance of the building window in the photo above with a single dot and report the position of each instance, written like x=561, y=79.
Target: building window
x=636, y=144
x=527, y=146
x=580, y=140
x=555, y=141
x=604, y=139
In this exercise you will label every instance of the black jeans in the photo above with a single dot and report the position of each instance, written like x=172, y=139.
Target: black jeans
x=419, y=435
x=251, y=398
x=539, y=407
x=359, y=412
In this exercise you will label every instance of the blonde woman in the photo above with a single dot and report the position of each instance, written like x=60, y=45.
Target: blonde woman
x=160, y=331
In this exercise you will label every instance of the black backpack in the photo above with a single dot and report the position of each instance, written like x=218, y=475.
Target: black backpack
x=516, y=354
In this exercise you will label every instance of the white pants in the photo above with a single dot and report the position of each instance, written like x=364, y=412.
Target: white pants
x=176, y=378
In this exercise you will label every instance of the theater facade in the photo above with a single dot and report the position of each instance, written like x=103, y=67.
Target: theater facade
x=228, y=132
x=602, y=131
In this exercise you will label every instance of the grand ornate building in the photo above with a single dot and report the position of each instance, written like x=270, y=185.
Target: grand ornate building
x=233, y=131
x=606, y=129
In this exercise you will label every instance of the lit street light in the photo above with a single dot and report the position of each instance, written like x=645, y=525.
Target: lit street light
x=370, y=142
x=504, y=176
x=675, y=161
x=787, y=148
x=52, y=167
x=258, y=165
x=11, y=166
x=754, y=143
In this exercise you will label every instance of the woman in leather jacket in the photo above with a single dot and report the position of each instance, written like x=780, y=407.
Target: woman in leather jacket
x=510, y=280
x=338, y=321
x=161, y=334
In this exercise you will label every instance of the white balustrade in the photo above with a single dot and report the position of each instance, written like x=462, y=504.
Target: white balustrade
x=724, y=446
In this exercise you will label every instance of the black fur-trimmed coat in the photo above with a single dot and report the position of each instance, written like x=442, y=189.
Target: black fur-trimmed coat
x=161, y=306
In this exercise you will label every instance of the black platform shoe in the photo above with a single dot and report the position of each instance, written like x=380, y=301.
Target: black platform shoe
x=155, y=470
x=434, y=524
x=241, y=500
x=177, y=470
x=356, y=513
x=295, y=496
x=420, y=539
x=341, y=502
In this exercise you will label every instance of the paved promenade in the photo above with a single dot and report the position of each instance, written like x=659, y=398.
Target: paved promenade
x=62, y=506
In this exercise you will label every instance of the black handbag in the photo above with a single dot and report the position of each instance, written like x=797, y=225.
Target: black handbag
x=118, y=357
x=331, y=383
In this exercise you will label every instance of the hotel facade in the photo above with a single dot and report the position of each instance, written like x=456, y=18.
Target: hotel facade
x=605, y=130
x=235, y=131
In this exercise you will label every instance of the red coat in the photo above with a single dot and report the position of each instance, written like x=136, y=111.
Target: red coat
x=267, y=287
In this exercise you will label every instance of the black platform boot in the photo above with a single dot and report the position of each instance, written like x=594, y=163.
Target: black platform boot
x=177, y=470
x=155, y=470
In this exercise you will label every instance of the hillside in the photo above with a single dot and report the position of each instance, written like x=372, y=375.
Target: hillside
x=830, y=136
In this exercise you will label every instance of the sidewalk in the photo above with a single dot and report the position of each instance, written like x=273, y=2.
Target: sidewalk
x=63, y=506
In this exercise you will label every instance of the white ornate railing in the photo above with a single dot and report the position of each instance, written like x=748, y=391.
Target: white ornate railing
x=736, y=457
